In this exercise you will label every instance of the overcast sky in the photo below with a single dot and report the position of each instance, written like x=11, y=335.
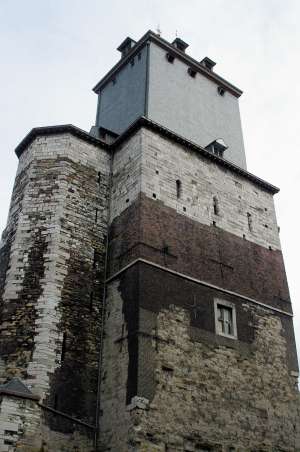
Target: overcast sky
x=54, y=51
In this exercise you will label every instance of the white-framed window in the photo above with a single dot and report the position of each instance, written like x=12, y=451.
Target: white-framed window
x=225, y=319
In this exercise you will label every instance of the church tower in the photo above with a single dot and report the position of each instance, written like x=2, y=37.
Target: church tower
x=144, y=304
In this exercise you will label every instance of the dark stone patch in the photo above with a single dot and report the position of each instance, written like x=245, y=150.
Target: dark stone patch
x=129, y=288
x=19, y=315
x=64, y=425
x=74, y=384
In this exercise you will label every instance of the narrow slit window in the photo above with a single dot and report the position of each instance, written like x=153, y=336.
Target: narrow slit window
x=96, y=215
x=95, y=258
x=178, y=189
x=249, y=218
x=216, y=205
x=98, y=177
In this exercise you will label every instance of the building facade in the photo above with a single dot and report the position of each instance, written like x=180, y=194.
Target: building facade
x=144, y=301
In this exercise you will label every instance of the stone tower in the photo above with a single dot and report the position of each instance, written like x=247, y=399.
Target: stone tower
x=144, y=301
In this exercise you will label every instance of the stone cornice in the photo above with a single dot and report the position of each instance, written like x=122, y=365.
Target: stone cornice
x=56, y=130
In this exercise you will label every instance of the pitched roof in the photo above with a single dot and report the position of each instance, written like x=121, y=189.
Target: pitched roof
x=16, y=387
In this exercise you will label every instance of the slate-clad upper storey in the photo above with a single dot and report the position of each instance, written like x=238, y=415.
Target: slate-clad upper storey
x=180, y=93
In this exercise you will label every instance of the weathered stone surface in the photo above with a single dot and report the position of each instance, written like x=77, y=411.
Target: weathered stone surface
x=53, y=254
x=169, y=382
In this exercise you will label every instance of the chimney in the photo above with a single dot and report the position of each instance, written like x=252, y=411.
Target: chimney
x=180, y=44
x=208, y=63
x=126, y=46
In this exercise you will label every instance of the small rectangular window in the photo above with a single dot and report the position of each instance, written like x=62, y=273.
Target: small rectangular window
x=225, y=319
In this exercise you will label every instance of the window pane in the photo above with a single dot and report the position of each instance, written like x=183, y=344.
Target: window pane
x=225, y=323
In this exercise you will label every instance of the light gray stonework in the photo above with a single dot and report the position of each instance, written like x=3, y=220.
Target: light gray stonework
x=152, y=164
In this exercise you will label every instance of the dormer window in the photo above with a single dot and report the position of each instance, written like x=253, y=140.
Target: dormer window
x=126, y=46
x=208, y=63
x=217, y=147
x=180, y=44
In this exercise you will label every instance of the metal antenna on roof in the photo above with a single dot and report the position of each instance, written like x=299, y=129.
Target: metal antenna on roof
x=176, y=33
x=158, y=30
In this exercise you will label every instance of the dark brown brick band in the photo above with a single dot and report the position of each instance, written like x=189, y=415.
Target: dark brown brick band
x=150, y=230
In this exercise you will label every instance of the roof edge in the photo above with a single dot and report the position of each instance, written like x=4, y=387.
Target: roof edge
x=152, y=125
x=54, y=130
x=150, y=35
x=136, y=125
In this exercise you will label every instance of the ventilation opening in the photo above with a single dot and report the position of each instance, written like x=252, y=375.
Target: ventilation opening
x=221, y=90
x=192, y=72
x=170, y=57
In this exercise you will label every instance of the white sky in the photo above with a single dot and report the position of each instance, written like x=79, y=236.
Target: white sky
x=54, y=51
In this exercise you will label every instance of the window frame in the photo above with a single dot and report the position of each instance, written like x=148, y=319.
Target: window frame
x=225, y=304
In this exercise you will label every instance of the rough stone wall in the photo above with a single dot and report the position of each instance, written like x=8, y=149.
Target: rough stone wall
x=20, y=415
x=54, y=252
x=214, y=398
x=171, y=383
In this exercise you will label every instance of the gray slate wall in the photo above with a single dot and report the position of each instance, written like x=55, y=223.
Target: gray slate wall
x=122, y=102
x=192, y=107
